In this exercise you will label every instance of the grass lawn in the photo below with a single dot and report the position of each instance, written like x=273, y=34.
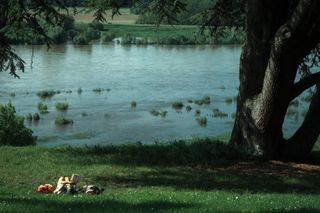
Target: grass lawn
x=201, y=176
x=83, y=16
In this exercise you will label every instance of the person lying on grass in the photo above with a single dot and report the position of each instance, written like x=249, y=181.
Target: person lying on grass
x=66, y=185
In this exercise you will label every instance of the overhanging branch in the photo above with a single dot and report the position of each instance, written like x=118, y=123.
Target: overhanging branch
x=304, y=84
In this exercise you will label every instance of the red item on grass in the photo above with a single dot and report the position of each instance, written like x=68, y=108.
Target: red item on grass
x=46, y=188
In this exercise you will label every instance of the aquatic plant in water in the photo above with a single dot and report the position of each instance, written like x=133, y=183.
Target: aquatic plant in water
x=177, y=105
x=61, y=120
x=62, y=106
x=163, y=114
x=154, y=112
x=43, y=108
x=36, y=117
x=79, y=91
x=46, y=93
x=133, y=104
x=202, y=121
x=197, y=113
x=188, y=108
x=204, y=100
x=158, y=113
x=228, y=100
x=29, y=117
x=218, y=114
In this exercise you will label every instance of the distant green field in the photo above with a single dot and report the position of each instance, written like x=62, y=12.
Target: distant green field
x=151, y=30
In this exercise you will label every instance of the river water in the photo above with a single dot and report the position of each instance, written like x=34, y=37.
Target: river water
x=153, y=76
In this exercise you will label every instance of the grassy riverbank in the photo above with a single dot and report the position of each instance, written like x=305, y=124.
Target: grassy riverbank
x=198, y=176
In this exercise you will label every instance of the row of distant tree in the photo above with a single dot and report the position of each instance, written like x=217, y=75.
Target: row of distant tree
x=81, y=3
x=190, y=16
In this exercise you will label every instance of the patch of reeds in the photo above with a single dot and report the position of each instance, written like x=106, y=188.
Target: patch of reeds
x=218, y=114
x=177, y=105
x=47, y=93
x=61, y=120
x=202, y=121
x=43, y=108
x=203, y=101
x=133, y=104
x=62, y=106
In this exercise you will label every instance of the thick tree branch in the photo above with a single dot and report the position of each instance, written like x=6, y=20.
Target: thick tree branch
x=304, y=84
x=303, y=140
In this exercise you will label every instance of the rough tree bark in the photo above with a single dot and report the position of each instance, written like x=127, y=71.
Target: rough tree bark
x=279, y=35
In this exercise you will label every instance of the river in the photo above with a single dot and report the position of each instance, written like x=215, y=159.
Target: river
x=152, y=76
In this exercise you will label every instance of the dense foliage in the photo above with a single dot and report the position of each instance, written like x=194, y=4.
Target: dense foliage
x=12, y=129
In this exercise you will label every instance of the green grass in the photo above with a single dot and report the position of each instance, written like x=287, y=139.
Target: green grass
x=62, y=106
x=198, y=176
x=150, y=31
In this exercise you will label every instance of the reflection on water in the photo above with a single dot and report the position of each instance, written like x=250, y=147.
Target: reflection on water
x=153, y=76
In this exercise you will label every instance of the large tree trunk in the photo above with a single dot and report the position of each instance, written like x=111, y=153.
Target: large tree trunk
x=270, y=58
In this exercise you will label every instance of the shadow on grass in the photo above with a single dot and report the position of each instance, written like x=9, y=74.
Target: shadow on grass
x=298, y=210
x=75, y=205
x=200, y=164
x=204, y=152
x=209, y=180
